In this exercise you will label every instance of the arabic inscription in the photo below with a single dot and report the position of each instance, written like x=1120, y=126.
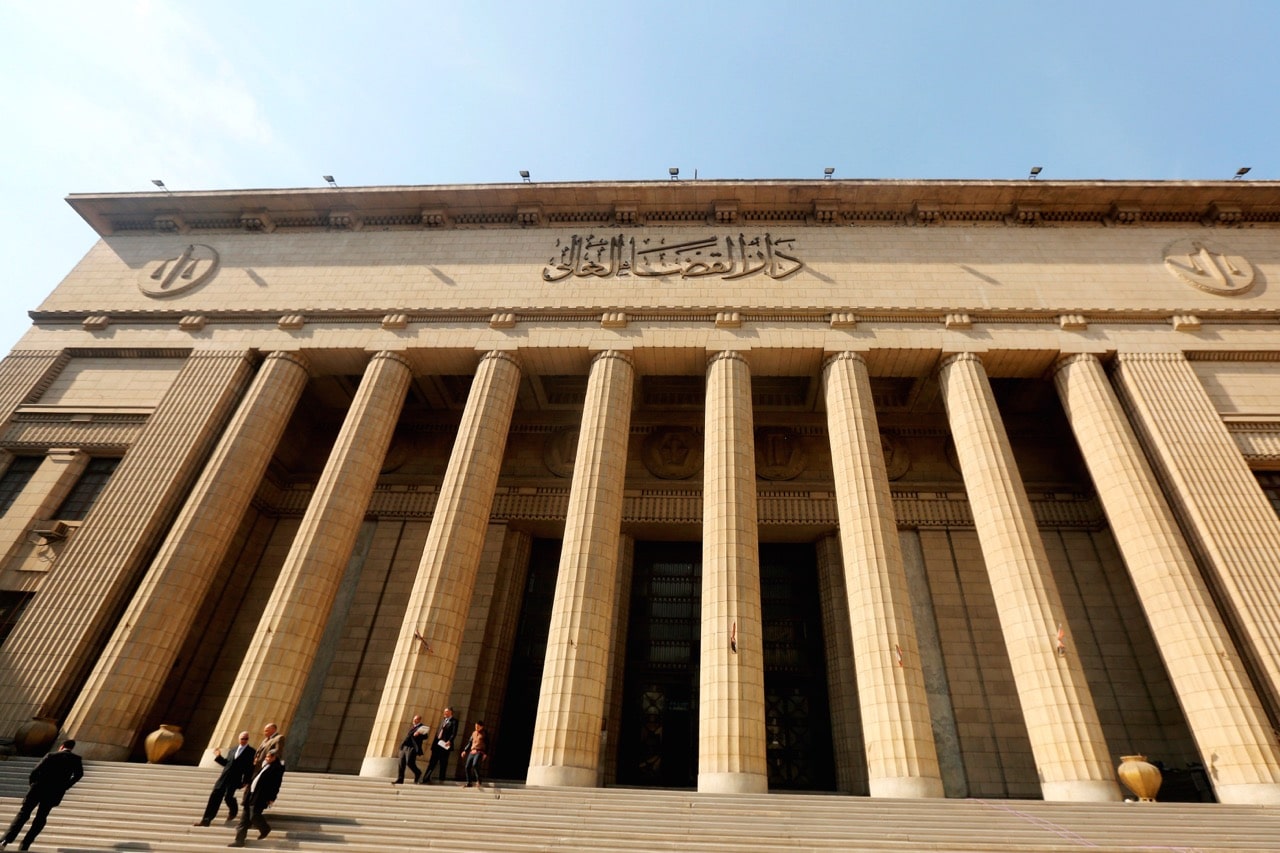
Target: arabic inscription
x=599, y=256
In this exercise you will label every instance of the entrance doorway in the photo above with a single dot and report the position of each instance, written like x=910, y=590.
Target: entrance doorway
x=658, y=743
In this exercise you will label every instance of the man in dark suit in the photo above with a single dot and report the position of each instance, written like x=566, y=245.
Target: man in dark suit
x=411, y=748
x=445, y=733
x=50, y=779
x=259, y=794
x=235, y=773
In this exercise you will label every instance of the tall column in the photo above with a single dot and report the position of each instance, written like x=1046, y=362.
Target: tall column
x=566, y=735
x=1226, y=717
x=51, y=650
x=842, y=689
x=130, y=674
x=1228, y=521
x=1062, y=723
x=421, y=674
x=901, y=758
x=274, y=671
x=731, y=719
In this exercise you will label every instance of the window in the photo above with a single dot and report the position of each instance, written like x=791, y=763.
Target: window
x=11, y=606
x=15, y=479
x=86, y=490
x=1270, y=482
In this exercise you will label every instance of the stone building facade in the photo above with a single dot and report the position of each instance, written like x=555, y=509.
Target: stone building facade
x=900, y=489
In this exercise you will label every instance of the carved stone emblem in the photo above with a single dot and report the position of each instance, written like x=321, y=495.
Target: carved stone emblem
x=559, y=451
x=1209, y=267
x=897, y=459
x=192, y=267
x=672, y=453
x=779, y=454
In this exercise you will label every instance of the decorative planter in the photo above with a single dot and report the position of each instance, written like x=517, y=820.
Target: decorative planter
x=1140, y=776
x=35, y=736
x=163, y=743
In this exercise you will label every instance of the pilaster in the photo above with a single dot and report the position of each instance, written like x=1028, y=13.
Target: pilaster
x=731, y=716
x=494, y=664
x=278, y=661
x=842, y=689
x=422, y=666
x=130, y=674
x=901, y=758
x=571, y=704
x=1062, y=723
x=61, y=632
x=1227, y=519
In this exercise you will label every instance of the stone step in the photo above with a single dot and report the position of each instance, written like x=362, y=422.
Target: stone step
x=326, y=812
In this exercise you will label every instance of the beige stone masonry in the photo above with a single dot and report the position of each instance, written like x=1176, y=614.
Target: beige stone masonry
x=46, y=489
x=901, y=758
x=426, y=654
x=1227, y=720
x=1071, y=753
x=731, y=718
x=59, y=635
x=571, y=704
x=278, y=661
x=611, y=730
x=494, y=664
x=1225, y=514
x=842, y=688
x=130, y=674
x=22, y=372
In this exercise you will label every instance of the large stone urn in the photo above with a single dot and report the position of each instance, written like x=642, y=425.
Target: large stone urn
x=1140, y=776
x=35, y=736
x=163, y=743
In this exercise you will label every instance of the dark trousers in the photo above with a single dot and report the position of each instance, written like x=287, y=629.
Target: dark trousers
x=408, y=758
x=221, y=793
x=251, y=815
x=439, y=755
x=31, y=802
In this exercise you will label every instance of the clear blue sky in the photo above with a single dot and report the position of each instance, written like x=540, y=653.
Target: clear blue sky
x=105, y=96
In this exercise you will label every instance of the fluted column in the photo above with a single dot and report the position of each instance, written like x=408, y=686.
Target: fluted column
x=731, y=719
x=901, y=758
x=421, y=672
x=571, y=703
x=842, y=689
x=130, y=674
x=1225, y=715
x=49, y=653
x=1227, y=518
x=1062, y=723
x=275, y=668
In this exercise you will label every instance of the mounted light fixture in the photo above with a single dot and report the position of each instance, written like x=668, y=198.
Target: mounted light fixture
x=1035, y=172
x=524, y=173
x=828, y=172
x=330, y=180
x=674, y=173
x=1241, y=172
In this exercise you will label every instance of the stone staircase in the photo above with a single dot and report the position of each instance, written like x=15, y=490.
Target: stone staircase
x=135, y=807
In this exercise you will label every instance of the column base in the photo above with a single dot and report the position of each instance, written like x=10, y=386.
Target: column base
x=380, y=766
x=552, y=776
x=733, y=783
x=1081, y=791
x=907, y=788
x=1256, y=794
x=100, y=751
x=207, y=760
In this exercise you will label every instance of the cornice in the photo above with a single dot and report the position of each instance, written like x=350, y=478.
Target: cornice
x=1025, y=203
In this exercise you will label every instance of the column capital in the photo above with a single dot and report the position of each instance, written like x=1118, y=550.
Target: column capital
x=621, y=355
x=949, y=359
x=843, y=355
x=502, y=355
x=1068, y=359
x=293, y=357
x=390, y=355
x=726, y=355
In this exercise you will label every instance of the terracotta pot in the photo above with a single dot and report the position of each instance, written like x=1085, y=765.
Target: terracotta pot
x=163, y=743
x=1140, y=776
x=35, y=736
